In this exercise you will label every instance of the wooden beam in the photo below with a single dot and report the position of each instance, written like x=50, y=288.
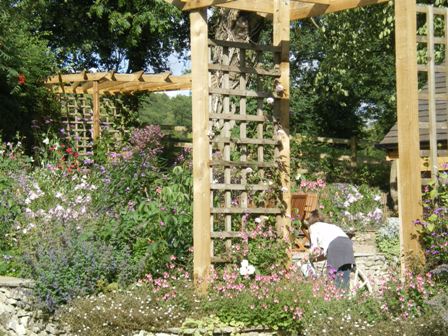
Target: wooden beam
x=302, y=11
x=281, y=32
x=96, y=112
x=87, y=77
x=178, y=3
x=409, y=179
x=201, y=169
x=432, y=118
x=320, y=2
x=149, y=87
x=197, y=4
x=261, y=6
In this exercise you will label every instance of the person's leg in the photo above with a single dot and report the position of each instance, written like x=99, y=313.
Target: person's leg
x=342, y=279
x=331, y=272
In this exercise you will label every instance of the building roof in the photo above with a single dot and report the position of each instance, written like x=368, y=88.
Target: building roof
x=390, y=141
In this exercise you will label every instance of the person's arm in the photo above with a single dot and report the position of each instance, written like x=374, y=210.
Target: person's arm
x=315, y=250
x=313, y=238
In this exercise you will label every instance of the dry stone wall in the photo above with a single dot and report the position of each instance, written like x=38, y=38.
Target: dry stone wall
x=18, y=315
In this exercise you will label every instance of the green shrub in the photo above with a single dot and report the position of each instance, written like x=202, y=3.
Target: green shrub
x=433, y=227
x=14, y=166
x=157, y=227
x=351, y=206
x=388, y=239
x=66, y=261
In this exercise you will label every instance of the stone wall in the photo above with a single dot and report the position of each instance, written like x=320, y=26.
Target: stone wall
x=18, y=316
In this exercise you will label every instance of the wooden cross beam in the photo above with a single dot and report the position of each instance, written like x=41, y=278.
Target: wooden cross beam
x=300, y=9
x=110, y=82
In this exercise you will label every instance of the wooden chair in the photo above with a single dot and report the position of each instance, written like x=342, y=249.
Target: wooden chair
x=301, y=205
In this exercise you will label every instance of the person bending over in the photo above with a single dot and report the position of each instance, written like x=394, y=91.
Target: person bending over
x=331, y=241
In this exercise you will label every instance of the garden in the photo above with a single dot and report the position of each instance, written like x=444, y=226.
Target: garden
x=108, y=242
x=106, y=236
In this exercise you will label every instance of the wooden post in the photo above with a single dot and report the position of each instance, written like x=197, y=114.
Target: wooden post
x=432, y=119
x=409, y=179
x=354, y=152
x=281, y=31
x=96, y=112
x=201, y=168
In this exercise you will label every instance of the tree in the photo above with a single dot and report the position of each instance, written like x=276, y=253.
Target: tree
x=344, y=73
x=162, y=110
x=111, y=34
x=25, y=61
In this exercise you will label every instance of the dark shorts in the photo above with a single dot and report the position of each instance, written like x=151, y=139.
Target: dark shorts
x=340, y=253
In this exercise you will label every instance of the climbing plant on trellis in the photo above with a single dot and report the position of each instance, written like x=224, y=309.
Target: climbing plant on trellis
x=77, y=118
x=244, y=146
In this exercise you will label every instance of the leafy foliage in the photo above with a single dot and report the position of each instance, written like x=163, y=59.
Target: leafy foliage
x=388, y=239
x=343, y=73
x=133, y=35
x=350, y=206
x=433, y=227
x=160, y=109
x=25, y=61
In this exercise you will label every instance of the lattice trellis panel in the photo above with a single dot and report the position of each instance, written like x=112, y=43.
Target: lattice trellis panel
x=432, y=41
x=243, y=137
x=77, y=118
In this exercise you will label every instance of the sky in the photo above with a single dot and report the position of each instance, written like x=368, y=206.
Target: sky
x=178, y=67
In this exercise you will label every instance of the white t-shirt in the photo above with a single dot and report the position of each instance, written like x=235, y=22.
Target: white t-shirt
x=322, y=234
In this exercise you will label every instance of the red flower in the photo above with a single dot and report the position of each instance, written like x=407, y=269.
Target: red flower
x=22, y=79
x=75, y=155
x=69, y=150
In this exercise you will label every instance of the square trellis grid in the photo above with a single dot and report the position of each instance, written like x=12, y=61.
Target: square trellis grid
x=244, y=150
x=432, y=52
x=77, y=118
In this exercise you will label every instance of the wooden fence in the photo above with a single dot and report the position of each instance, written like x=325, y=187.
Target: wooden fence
x=181, y=137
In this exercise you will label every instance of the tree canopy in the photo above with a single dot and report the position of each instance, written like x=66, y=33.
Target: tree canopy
x=25, y=61
x=128, y=35
x=343, y=73
x=342, y=64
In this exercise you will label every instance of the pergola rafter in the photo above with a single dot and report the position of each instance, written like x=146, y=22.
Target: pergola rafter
x=113, y=83
x=299, y=9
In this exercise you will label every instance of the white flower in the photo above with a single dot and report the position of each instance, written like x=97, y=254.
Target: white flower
x=249, y=170
x=246, y=268
x=377, y=198
x=279, y=88
x=270, y=100
x=258, y=220
x=46, y=141
x=58, y=195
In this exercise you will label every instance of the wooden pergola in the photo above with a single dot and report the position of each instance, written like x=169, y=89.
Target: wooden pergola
x=111, y=83
x=282, y=12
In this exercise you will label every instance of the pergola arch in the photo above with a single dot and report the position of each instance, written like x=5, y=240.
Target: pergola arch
x=282, y=12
